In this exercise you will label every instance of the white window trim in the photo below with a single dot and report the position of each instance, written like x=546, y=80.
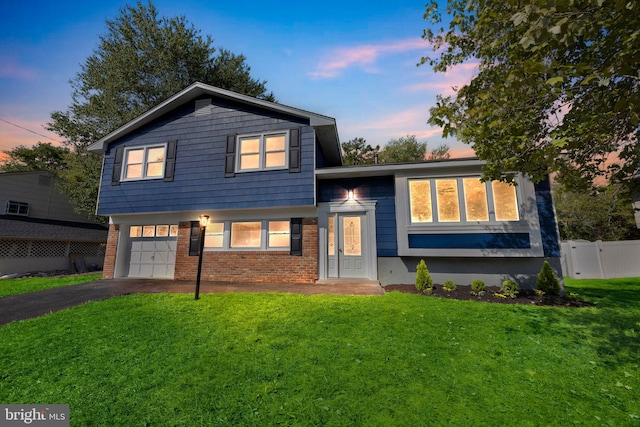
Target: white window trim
x=146, y=149
x=262, y=151
x=528, y=223
x=264, y=237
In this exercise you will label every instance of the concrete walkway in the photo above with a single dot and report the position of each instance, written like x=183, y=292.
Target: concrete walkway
x=34, y=304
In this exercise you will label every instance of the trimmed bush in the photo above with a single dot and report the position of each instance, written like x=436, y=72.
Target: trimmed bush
x=547, y=280
x=510, y=288
x=449, y=286
x=424, y=282
x=477, y=288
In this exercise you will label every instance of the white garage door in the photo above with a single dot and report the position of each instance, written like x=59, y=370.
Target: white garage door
x=152, y=251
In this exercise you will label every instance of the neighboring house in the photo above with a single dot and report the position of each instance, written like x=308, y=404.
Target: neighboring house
x=39, y=230
x=283, y=208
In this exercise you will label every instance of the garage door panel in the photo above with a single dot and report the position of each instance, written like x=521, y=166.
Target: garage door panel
x=152, y=257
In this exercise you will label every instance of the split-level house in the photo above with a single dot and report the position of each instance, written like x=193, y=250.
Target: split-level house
x=282, y=207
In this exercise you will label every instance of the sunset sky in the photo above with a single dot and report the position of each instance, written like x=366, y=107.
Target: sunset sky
x=351, y=60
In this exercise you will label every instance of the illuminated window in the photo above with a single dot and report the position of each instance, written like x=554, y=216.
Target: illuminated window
x=246, y=234
x=214, y=235
x=261, y=152
x=331, y=236
x=505, y=201
x=447, y=194
x=144, y=163
x=279, y=234
x=351, y=235
x=475, y=200
x=420, y=200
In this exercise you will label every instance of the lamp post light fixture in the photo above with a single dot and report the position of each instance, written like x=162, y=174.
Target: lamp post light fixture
x=204, y=221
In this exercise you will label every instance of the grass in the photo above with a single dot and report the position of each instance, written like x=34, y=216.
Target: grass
x=32, y=284
x=276, y=359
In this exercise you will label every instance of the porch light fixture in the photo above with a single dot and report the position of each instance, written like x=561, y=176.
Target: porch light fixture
x=350, y=196
x=204, y=221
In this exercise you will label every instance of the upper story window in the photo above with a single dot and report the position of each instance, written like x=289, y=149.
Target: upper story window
x=16, y=208
x=457, y=200
x=144, y=162
x=262, y=152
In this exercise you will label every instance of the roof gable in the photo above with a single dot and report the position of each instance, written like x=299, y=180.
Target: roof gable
x=325, y=127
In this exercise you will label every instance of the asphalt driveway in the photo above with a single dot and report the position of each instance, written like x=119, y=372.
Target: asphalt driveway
x=34, y=304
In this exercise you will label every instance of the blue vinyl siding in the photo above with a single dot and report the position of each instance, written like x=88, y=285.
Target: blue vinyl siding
x=547, y=218
x=381, y=189
x=199, y=181
x=470, y=241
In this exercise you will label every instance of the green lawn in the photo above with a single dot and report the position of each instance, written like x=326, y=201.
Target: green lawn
x=275, y=359
x=32, y=284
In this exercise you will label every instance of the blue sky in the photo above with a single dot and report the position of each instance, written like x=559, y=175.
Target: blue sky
x=351, y=60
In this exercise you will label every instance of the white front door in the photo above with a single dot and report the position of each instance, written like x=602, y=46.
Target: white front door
x=346, y=234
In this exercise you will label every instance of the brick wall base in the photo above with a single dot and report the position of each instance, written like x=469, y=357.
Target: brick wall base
x=110, y=253
x=251, y=266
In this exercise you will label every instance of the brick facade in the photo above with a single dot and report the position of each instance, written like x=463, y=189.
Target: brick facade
x=110, y=253
x=251, y=266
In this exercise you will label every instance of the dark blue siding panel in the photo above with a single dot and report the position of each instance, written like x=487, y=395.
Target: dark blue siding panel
x=199, y=182
x=547, y=218
x=470, y=241
x=381, y=189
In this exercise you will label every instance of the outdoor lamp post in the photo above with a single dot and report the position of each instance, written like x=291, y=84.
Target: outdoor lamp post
x=204, y=220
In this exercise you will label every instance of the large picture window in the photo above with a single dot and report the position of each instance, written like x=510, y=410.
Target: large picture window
x=262, y=152
x=457, y=200
x=144, y=163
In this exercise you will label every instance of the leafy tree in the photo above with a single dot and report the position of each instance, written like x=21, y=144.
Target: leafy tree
x=41, y=157
x=141, y=61
x=358, y=152
x=403, y=149
x=557, y=87
x=441, y=152
x=602, y=213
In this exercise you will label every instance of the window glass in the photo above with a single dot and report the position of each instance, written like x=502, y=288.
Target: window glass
x=505, y=201
x=332, y=236
x=214, y=235
x=276, y=159
x=135, y=231
x=420, y=200
x=246, y=234
x=279, y=234
x=475, y=199
x=149, y=231
x=352, y=236
x=155, y=162
x=162, y=230
x=447, y=193
x=249, y=145
x=275, y=143
x=134, y=171
x=173, y=230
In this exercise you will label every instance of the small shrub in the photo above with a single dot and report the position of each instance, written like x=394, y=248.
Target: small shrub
x=499, y=295
x=540, y=292
x=477, y=288
x=547, y=280
x=424, y=281
x=449, y=285
x=510, y=288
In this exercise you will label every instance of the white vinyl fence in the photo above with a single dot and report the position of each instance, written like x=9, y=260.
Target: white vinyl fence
x=582, y=259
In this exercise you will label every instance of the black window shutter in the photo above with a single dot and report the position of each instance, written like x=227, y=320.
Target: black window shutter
x=230, y=159
x=294, y=150
x=170, y=165
x=296, y=237
x=117, y=166
x=194, y=239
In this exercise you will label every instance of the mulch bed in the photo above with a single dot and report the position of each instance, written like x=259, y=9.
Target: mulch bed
x=463, y=292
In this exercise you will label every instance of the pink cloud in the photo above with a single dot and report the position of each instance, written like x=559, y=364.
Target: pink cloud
x=15, y=134
x=446, y=83
x=363, y=56
x=10, y=68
